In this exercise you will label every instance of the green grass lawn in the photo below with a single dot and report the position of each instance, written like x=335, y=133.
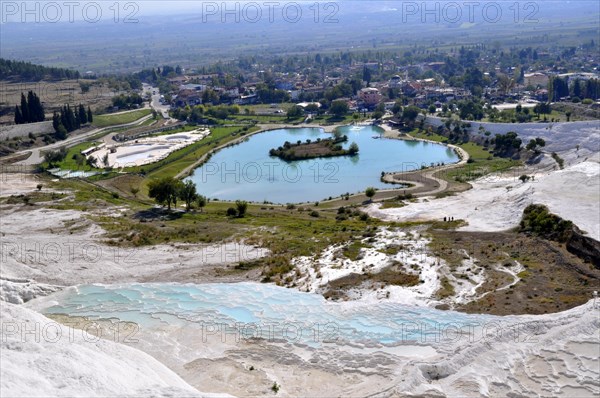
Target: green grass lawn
x=421, y=134
x=69, y=163
x=121, y=118
x=280, y=118
x=482, y=161
x=329, y=119
x=179, y=160
x=286, y=231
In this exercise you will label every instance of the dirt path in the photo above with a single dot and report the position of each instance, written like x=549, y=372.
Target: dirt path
x=425, y=182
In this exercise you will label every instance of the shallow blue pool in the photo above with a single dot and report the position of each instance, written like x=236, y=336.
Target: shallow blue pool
x=262, y=310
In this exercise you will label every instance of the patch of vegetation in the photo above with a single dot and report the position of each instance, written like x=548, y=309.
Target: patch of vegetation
x=120, y=118
x=446, y=289
x=392, y=204
x=353, y=250
x=537, y=220
x=547, y=266
x=387, y=276
x=321, y=148
x=275, y=267
x=481, y=161
x=448, y=224
x=275, y=387
x=560, y=161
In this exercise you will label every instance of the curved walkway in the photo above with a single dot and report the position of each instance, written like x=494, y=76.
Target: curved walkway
x=424, y=182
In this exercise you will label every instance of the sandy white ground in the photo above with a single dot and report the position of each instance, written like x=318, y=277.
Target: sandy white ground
x=147, y=150
x=497, y=202
x=414, y=258
x=17, y=183
x=61, y=248
x=547, y=355
x=550, y=355
x=42, y=358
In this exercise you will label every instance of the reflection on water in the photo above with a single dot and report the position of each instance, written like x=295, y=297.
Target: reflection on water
x=246, y=171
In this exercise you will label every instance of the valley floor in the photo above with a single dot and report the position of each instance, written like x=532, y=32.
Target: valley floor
x=552, y=354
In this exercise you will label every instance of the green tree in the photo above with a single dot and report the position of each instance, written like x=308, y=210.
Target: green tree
x=410, y=113
x=370, y=192
x=18, y=115
x=201, y=202
x=534, y=143
x=241, y=207
x=339, y=108
x=90, y=117
x=55, y=120
x=165, y=191
x=134, y=191
x=35, y=108
x=82, y=115
x=294, y=112
x=52, y=157
x=92, y=162
x=397, y=108
x=312, y=108
x=24, y=109
x=61, y=132
x=188, y=194
x=353, y=149
x=367, y=75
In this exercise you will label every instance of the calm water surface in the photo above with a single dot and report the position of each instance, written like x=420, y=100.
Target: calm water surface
x=246, y=171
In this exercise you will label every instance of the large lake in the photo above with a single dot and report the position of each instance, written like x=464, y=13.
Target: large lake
x=246, y=171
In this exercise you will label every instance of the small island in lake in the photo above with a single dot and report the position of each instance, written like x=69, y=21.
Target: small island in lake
x=320, y=148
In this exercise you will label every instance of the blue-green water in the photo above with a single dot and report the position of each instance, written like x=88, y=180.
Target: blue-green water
x=252, y=307
x=246, y=171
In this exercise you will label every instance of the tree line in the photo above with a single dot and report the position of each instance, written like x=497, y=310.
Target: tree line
x=69, y=119
x=560, y=87
x=168, y=190
x=21, y=70
x=31, y=109
x=125, y=101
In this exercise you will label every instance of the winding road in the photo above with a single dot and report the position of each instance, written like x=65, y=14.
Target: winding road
x=37, y=154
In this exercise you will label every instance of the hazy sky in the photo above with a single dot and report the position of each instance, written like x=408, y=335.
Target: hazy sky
x=69, y=10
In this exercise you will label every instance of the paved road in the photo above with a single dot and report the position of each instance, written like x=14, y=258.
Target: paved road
x=37, y=154
x=155, y=103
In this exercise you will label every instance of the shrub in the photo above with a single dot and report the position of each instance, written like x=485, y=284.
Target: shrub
x=537, y=220
x=231, y=212
x=241, y=206
x=275, y=387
